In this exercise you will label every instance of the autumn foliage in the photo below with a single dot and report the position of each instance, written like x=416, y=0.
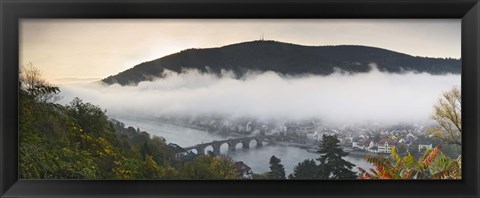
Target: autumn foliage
x=432, y=165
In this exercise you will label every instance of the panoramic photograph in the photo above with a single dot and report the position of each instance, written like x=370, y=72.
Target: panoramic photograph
x=240, y=99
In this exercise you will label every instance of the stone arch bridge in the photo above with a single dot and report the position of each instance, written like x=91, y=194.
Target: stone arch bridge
x=232, y=143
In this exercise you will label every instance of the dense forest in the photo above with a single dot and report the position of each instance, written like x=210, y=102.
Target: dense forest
x=286, y=59
x=78, y=141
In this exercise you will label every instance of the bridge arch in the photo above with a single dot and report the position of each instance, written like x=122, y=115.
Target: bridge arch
x=238, y=145
x=231, y=145
x=253, y=143
x=208, y=149
x=224, y=147
x=193, y=151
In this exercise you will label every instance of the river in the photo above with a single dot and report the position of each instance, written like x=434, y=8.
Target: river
x=256, y=158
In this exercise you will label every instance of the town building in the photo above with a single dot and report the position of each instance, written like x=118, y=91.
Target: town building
x=243, y=169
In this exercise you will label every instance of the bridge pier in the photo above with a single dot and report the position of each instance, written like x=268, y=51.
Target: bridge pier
x=259, y=142
x=200, y=150
x=246, y=143
x=216, y=149
x=231, y=147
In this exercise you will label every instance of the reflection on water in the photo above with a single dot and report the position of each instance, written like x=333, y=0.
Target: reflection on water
x=256, y=158
x=182, y=136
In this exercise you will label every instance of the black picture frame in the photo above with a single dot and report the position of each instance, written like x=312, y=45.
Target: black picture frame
x=13, y=10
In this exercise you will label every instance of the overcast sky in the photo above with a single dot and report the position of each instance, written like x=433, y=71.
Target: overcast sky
x=88, y=48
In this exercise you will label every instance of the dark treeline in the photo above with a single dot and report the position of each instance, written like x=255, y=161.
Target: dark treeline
x=286, y=59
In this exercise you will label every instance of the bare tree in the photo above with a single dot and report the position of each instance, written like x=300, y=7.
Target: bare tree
x=31, y=80
x=447, y=113
x=31, y=77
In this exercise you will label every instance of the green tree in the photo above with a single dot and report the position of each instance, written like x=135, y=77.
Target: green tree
x=145, y=150
x=210, y=167
x=47, y=149
x=92, y=121
x=277, y=171
x=332, y=165
x=305, y=170
x=151, y=170
x=225, y=167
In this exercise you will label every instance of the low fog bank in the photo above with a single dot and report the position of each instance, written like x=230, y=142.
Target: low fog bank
x=338, y=98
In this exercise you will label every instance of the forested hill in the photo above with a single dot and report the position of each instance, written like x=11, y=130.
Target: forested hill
x=285, y=58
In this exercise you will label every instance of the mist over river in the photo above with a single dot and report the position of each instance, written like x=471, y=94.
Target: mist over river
x=256, y=158
x=375, y=97
x=338, y=99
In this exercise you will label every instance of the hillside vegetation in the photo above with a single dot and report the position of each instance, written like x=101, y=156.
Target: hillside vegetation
x=286, y=59
x=78, y=141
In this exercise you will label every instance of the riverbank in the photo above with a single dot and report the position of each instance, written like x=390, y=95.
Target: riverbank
x=310, y=148
x=289, y=152
x=362, y=154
